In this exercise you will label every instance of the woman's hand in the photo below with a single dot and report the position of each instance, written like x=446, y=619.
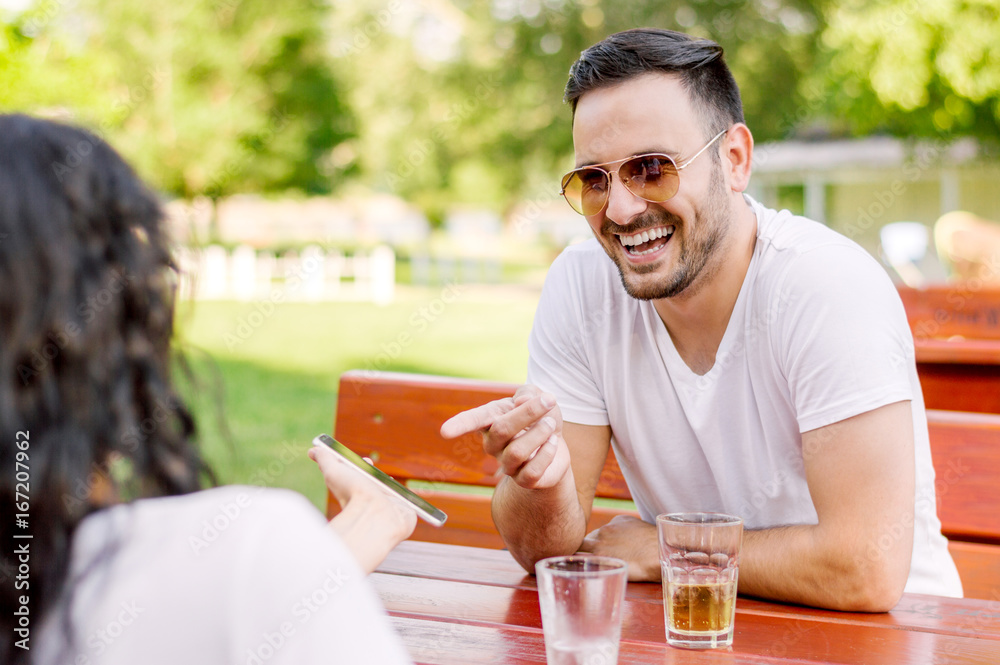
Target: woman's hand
x=370, y=522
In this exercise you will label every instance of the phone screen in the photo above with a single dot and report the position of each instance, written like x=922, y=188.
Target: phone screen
x=428, y=512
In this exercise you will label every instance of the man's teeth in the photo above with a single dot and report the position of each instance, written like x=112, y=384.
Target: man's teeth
x=646, y=236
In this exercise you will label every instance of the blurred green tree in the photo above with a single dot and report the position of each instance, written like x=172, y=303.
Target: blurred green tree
x=928, y=68
x=205, y=98
x=461, y=101
x=451, y=102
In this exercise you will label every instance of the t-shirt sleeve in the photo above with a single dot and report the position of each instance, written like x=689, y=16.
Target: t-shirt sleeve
x=845, y=346
x=300, y=597
x=557, y=348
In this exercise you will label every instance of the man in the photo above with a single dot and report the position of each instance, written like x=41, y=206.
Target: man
x=743, y=360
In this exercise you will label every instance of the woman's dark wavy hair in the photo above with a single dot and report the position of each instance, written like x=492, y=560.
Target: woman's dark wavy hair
x=86, y=316
x=698, y=63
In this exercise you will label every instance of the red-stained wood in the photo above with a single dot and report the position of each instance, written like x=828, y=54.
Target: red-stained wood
x=965, y=448
x=953, y=616
x=946, y=311
x=956, y=336
x=470, y=521
x=959, y=385
x=395, y=418
x=979, y=567
x=470, y=601
x=923, y=629
x=435, y=642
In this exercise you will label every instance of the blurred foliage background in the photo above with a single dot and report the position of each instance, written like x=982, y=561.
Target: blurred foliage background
x=443, y=103
x=446, y=102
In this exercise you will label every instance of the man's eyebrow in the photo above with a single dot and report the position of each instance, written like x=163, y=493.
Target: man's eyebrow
x=653, y=151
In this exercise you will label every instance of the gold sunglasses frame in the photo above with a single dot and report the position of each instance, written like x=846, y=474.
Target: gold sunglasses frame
x=621, y=162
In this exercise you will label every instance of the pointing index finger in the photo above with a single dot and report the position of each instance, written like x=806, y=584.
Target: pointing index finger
x=475, y=419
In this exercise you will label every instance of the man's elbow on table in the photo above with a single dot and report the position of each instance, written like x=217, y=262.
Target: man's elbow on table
x=872, y=583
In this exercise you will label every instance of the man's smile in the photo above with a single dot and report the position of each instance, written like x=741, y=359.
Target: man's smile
x=646, y=241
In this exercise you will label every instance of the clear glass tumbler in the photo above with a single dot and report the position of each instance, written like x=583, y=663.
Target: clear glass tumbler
x=581, y=599
x=699, y=565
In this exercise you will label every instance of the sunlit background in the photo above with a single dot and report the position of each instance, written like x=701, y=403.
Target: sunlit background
x=374, y=184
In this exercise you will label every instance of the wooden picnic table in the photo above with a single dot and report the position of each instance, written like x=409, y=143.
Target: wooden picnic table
x=457, y=605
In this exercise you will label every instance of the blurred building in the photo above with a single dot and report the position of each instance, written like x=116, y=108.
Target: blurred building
x=859, y=186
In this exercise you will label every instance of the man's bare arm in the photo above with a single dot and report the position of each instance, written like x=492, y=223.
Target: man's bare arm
x=861, y=477
x=542, y=505
x=538, y=523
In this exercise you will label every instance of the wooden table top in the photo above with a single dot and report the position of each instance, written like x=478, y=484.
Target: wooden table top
x=456, y=605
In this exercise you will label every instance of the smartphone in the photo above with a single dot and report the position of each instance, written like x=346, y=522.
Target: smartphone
x=423, y=508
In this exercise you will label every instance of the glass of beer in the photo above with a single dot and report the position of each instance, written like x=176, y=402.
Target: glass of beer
x=699, y=564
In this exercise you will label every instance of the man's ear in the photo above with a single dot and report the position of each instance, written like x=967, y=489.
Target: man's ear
x=737, y=156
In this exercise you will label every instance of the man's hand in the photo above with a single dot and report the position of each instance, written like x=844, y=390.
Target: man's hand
x=630, y=539
x=542, y=504
x=524, y=434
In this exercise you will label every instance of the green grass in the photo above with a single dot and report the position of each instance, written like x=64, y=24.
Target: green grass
x=265, y=385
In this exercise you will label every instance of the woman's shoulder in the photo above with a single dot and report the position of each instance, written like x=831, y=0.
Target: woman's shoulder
x=199, y=523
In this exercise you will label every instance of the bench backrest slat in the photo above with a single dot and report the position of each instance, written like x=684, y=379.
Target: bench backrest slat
x=395, y=419
x=944, y=311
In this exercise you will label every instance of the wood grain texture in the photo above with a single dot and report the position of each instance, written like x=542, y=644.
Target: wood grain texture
x=455, y=604
x=470, y=521
x=956, y=336
x=960, y=386
x=962, y=616
x=395, y=418
x=952, y=310
x=965, y=449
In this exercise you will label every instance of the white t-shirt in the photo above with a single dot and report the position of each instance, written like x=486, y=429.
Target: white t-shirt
x=230, y=575
x=818, y=334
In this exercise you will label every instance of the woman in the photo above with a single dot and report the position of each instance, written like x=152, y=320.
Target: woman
x=117, y=555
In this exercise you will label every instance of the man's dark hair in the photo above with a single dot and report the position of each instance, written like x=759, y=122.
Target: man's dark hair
x=698, y=63
x=86, y=318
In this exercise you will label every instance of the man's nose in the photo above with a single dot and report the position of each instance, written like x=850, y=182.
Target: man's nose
x=623, y=205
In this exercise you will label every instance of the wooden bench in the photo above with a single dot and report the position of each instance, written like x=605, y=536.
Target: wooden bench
x=394, y=419
x=956, y=335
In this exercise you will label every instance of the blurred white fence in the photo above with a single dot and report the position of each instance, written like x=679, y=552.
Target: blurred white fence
x=314, y=275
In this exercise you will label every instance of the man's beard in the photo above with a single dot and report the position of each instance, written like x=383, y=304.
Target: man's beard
x=701, y=240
